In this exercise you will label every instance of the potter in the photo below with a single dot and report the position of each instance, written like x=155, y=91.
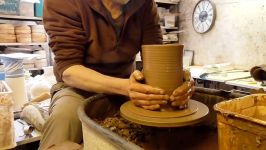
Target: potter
x=95, y=43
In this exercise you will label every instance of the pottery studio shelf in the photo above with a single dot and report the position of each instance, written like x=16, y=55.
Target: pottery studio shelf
x=170, y=40
x=25, y=18
x=167, y=1
x=169, y=28
x=18, y=44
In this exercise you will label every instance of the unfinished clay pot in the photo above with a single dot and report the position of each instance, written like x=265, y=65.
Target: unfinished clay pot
x=163, y=66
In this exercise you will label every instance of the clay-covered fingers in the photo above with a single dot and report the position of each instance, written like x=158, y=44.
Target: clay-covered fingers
x=181, y=102
x=150, y=98
x=148, y=102
x=184, y=96
x=186, y=75
x=183, y=89
x=152, y=107
x=136, y=95
x=137, y=75
x=146, y=89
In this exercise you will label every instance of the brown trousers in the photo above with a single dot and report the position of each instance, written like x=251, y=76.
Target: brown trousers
x=63, y=123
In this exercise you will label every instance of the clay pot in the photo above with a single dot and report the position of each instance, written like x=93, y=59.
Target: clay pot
x=38, y=29
x=39, y=37
x=163, y=66
x=24, y=38
x=24, y=29
x=7, y=38
x=7, y=29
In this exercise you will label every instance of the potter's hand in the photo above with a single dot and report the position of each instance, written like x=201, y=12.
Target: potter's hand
x=144, y=95
x=182, y=94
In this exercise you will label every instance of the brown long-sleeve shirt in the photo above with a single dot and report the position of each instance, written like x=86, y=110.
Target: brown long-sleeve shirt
x=81, y=34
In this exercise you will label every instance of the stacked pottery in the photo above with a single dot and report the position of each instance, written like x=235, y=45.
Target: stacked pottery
x=162, y=66
x=7, y=33
x=38, y=34
x=23, y=34
x=41, y=60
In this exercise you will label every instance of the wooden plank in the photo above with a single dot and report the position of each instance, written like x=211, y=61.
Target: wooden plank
x=14, y=17
x=170, y=28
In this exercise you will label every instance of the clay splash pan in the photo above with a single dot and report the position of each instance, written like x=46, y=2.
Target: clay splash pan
x=194, y=114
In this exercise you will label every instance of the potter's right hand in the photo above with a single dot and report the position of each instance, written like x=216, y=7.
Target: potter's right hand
x=144, y=95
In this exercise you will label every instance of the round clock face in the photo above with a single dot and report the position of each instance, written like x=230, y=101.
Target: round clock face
x=203, y=16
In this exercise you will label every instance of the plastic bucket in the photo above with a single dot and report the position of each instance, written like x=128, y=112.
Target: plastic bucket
x=242, y=123
x=95, y=137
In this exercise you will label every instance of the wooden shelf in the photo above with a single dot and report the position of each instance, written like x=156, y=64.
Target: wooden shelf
x=166, y=2
x=170, y=40
x=18, y=44
x=176, y=32
x=14, y=17
x=170, y=28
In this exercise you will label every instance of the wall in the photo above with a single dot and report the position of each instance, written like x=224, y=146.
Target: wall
x=238, y=36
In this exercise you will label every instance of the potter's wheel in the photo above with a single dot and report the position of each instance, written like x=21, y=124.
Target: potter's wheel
x=195, y=112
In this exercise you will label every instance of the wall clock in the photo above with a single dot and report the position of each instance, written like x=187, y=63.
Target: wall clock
x=204, y=15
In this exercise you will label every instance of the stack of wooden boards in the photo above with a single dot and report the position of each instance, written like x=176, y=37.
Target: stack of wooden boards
x=10, y=33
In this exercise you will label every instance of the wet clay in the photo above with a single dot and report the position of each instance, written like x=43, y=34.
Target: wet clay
x=163, y=66
x=150, y=138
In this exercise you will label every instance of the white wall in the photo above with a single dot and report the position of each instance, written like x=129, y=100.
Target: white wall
x=238, y=36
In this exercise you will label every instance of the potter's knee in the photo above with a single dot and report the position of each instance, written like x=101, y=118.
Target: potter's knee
x=64, y=116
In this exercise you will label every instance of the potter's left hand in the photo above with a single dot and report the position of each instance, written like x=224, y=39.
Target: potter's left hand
x=182, y=94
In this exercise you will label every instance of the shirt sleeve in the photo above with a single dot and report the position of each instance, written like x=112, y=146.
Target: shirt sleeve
x=152, y=33
x=67, y=37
